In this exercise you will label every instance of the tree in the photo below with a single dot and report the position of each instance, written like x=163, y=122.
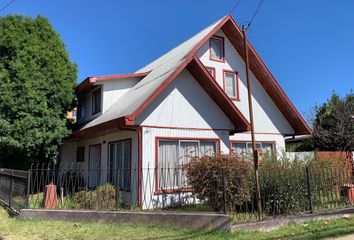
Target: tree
x=333, y=126
x=37, y=80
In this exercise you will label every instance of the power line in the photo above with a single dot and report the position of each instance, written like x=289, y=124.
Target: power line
x=7, y=5
x=235, y=6
x=255, y=13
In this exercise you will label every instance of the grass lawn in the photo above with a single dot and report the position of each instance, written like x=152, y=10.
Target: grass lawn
x=12, y=228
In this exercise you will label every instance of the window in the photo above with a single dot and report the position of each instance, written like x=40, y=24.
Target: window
x=80, y=154
x=120, y=164
x=216, y=45
x=96, y=101
x=173, y=154
x=231, y=84
x=211, y=70
x=244, y=149
x=81, y=109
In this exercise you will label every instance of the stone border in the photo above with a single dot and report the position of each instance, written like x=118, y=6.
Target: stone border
x=195, y=221
x=273, y=223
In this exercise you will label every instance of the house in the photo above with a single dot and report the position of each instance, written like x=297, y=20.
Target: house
x=190, y=101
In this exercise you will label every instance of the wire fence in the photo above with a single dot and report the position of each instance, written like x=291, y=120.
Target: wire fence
x=13, y=188
x=284, y=191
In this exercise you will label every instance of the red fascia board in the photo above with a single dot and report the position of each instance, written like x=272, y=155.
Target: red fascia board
x=89, y=81
x=267, y=80
x=112, y=124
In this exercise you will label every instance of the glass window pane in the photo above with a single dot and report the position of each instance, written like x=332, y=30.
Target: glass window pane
x=230, y=84
x=207, y=148
x=167, y=164
x=216, y=48
x=267, y=148
x=239, y=149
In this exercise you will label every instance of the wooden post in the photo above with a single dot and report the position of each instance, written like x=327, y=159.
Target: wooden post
x=255, y=158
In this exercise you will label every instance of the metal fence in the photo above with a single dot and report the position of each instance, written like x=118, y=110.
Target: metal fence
x=13, y=188
x=284, y=190
x=300, y=190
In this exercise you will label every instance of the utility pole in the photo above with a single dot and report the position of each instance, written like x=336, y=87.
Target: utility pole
x=254, y=151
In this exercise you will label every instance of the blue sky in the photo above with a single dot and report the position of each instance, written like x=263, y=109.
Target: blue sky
x=307, y=45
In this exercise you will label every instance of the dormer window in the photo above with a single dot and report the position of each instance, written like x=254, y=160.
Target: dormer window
x=217, y=48
x=96, y=101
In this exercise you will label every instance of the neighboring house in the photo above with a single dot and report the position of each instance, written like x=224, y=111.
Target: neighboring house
x=190, y=101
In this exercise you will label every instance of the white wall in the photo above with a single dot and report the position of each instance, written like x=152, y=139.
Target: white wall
x=115, y=89
x=184, y=103
x=267, y=117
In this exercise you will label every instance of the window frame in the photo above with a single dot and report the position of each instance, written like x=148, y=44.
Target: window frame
x=93, y=101
x=130, y=162
x=213, y=69
x=222, y=48
x=81, y=106
x=237, y=91
x=77, y=154
x=178, y=139
x=257, y=142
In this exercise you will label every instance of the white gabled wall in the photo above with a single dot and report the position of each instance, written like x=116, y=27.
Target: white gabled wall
x=184, y=103
x=115, y=89
x=111, y=91
x=267, y=117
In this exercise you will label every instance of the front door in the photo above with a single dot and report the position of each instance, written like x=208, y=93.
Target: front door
x=94, y=168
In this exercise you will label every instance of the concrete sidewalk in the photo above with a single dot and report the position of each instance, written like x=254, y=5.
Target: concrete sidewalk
x=274, y=223
x=347, y=237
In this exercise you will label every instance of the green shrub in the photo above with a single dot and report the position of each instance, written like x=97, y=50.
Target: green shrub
x=101, y=198
x=283, y=185
x=204, y=175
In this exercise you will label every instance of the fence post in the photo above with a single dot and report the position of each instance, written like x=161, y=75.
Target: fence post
x=11, y=178
x=224, y=190
x=309, y=189
x=28, y=188
x=117, y=197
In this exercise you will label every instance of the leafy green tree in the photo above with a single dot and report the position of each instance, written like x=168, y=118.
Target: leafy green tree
x=37, y=80
x=333, y=126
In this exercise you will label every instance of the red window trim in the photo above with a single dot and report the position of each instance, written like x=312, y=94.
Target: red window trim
x=130, y=160
x=157, y=138
x=100, y=167
x=249, y=141
x=214, y=71
x=222, y=48
x=77, y=150
x=237, y=98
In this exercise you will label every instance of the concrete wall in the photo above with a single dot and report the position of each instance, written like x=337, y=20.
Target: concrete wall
x=196, y=221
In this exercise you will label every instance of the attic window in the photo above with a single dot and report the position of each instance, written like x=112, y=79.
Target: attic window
x=231, y=84
x=211, y=70
x=96, y=101
x=216, y=45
